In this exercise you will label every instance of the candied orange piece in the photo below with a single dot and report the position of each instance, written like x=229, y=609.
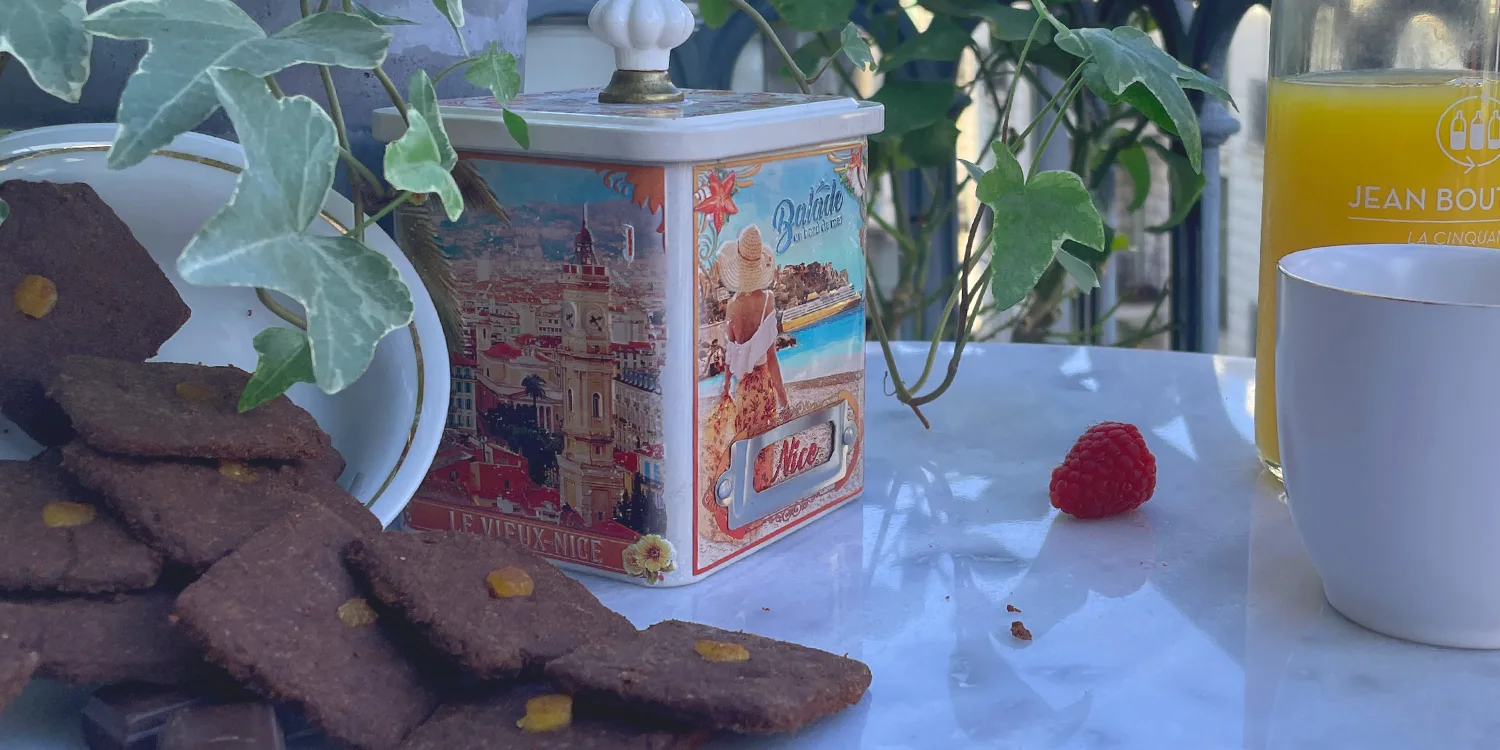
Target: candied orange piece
x=62, y=514
x=719, y=651
x=509, y=582
x=547, y=713
x=238, y=471
x=356, y=613
x=35, y=296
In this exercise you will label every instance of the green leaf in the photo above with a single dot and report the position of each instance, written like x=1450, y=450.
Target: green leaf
x=47, y=36
x=1033, y=218
x=1082, y=273
x=495, y=70
x=975, y=171
x=380, y=19
x=285, y=360
x=1096, y=256
x=932, y=146
x=422, y=97
x=856, y=48
x=171, y=91
x=353, y=296
x=715, y=13
x=1006, y=23
x=453, y=10
x=1186, y=183
x=4, y=211
x=911, y=105
x=810, y=55
x=517, y=128
x=813, y=15
x=414, y=162
x=943, y=41
x=1133, y=161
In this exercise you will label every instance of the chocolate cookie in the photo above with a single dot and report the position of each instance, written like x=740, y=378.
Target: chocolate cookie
x=196, y=512
x=234, y=726
x=443, y=584
x=491, y=722
x=17, y=664
x=283, y=614
x=54, y=539
x=178, y=410
x=714, y=678
x=100, y=641
x=69, y=258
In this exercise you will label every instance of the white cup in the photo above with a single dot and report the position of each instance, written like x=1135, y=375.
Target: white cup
x=1388, y=408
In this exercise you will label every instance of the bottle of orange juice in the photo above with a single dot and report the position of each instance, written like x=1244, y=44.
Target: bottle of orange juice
x=1383, y=127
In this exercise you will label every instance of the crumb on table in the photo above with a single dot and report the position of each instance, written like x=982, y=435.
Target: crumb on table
x=1019, y=631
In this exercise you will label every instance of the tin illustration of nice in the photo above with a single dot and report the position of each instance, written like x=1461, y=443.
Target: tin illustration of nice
x=661, y=368
x=1374, y=135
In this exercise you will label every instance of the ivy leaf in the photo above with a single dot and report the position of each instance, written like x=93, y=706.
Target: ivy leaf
x=453, y=10
x=808, y=56
x=943, y=41
x=4, y=211
x=1006, y=23
x=414, y=162
x=856, y=48
x=517, y=128
x=379, y=19
x=1033, y=218
x=1186, y=183
x=171, y=91
x=813, y=15
x=495, y=70
x=47, y=36
x=1125, y=59
x=975, y=171
x=912, y=105
x=715, y=13
x=285, y=359
x=353, y=296
x=1082, y=273
x=1133, y=161
x=422, y=97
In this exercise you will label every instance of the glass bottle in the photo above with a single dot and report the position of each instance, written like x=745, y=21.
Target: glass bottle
x=1381, y=118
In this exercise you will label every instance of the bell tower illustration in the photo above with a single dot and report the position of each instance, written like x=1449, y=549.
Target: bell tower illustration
x=589, y=481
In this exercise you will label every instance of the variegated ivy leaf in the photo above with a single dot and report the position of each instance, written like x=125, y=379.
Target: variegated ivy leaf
x=353, y=295
x=453, y=10
x=422, y=159
x=495, y=70
x=285, y=359
x=1127, y=66
x=1033, y=218
x=47, y=37
x=377, y=18
x=171, y=92
x=517, y=128
x=856, y=48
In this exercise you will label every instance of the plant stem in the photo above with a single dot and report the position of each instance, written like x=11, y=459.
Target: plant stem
x=770, y=33
x=378, y=215
x=455, y=66
x=358, y=166
x=1020, y=65
x=1061, y=109
x=392, y=92
x=275, y=88
x=1096, y=180
x=4, y=59
x=281, y=311
x=1041, y=148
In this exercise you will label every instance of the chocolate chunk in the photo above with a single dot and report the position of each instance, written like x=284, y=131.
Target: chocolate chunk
x=237, y=726
x=179, y=410
x=438, y=583
x=694, y=674
x=92, y=557
x=271, y=613
x=130, y=716
x=112, y=298
x=196, y=512
x=490, y=722
x=17, y=663
x=122, y=638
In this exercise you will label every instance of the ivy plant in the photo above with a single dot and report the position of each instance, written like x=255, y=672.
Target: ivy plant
x=1034, y=228
x=204, y=55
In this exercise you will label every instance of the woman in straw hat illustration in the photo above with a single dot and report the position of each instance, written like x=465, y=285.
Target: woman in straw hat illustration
x=754, y=395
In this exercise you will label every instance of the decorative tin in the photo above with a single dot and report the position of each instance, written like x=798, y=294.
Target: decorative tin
x=662, y=365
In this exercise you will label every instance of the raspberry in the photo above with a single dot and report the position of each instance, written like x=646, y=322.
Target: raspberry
x=1108, y=471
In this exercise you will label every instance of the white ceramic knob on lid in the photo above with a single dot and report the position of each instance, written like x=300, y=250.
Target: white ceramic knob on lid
x=643, y=33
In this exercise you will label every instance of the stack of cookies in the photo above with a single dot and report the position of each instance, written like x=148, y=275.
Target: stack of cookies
x=180, y=544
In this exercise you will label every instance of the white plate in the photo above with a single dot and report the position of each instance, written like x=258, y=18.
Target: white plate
x=387, y=425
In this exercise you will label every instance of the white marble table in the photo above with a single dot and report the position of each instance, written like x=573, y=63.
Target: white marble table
x=1195, y=622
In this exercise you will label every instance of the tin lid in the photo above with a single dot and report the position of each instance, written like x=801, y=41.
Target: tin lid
x=657, y=123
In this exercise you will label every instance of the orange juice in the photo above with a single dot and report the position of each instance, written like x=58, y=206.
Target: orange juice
x=1355, y=158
